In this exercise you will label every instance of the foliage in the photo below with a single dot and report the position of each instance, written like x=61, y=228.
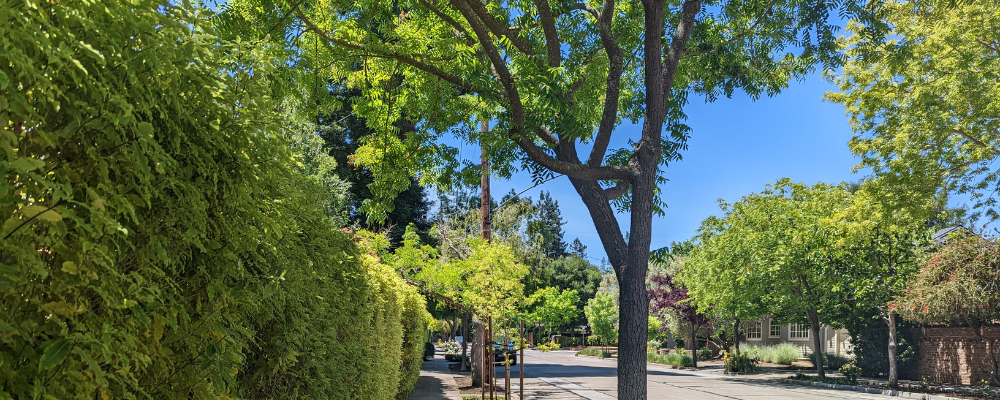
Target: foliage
x=959, y=283
x=677, y=359
x=342, y=132
x=668, y=295
x=851, y=371
x=704, y=353
x=783, y=353
x=653, y=328
x=739, y=362
x=598, y=352
x=487, y=281
x=547, y=347
x=551, y=308
x=161, y=239
x=576, y=273
x=927, y=125
x=751, y=263
x=602, y=316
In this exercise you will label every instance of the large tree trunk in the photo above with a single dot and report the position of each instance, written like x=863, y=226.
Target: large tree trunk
x=477, y=354
x=465, y=340
x=817, y=343
x=633, y=312
x=893, y=369
x=454, y=328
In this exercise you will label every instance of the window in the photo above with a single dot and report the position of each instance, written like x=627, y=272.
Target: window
x=753, y=330
x=798, y=331
x=775, y=329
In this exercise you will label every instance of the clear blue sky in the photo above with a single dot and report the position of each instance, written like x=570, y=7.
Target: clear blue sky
x=737, y=146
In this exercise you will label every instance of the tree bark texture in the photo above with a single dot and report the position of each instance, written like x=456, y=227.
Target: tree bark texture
x=465, y=340
x=477, y=354
x=893, y=368
x=694, y=345
x=817, y=342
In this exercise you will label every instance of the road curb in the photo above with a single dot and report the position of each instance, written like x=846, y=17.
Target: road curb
x=864, y=389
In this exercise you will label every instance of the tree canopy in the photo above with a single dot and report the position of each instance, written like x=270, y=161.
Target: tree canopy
x=925, y=102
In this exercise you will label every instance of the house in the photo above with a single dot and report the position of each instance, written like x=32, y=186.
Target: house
x=769, y=332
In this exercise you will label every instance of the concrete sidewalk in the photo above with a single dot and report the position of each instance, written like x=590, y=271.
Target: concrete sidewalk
x=436, y=381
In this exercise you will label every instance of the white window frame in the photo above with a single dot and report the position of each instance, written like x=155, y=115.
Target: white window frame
x=759, y=330
x=770, y=329
x=795, y=329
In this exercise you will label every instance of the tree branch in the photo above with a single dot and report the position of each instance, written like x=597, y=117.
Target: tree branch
x=976, y=141
x=551, y=35
x=681, y=36
x=446, y=18
x=617, y=191
x=585, y=7
x=497, y=28
x=612, y=89
x=281, y=22
x=438, y=72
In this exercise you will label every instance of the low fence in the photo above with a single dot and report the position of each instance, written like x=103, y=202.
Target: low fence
x=953, y=354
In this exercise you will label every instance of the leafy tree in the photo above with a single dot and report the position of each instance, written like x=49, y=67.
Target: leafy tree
x=343, y=131
x=602, y=316
x=881, y=242
x=665, y=295
x=574, y=273
x=924, y=102
x=774, y=251
x=959, y=283
x=571, y=78
x=551, y=308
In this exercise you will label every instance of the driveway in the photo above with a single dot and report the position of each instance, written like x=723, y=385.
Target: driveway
x=561, y=375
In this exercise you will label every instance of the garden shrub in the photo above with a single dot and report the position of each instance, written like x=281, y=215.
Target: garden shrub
x=739, y=362
x=783, y=353
x=704, y=353
x=594, y=352
x=676, y=358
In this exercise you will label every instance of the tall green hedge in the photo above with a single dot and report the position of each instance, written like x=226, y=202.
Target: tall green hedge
x=159, y=241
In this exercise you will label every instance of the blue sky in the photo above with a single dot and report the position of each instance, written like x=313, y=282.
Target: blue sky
x=737, y=146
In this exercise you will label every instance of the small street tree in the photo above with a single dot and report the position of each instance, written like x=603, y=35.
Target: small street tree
x=667, y=295
x=774, y=251
x=880, y=243
x=551, y=308
x=602, y=317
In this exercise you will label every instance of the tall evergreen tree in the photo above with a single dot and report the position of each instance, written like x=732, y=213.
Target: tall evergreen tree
x=548, y=223
x=344, y=131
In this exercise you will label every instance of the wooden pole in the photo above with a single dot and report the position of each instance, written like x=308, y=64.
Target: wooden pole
x=506, y=366
x=520, y=386
x=487, y=232
x=492, y=368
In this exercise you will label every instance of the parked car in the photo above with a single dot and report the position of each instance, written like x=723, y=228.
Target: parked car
x=499, y=353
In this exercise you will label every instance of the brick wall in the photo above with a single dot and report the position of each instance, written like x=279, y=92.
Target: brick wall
x=953, y=354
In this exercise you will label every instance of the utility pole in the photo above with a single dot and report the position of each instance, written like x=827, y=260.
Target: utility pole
x=487, y=232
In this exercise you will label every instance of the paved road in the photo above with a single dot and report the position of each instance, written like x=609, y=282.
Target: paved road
x=559, y=375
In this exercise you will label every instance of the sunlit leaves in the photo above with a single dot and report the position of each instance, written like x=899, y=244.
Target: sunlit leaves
x=924, y=102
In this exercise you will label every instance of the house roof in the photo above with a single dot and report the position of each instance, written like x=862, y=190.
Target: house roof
x=941, y=236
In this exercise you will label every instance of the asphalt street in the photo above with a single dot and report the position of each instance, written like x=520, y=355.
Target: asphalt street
x=561, y=375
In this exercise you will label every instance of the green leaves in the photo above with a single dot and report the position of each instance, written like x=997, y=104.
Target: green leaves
x=54, y=354
x=924, y=104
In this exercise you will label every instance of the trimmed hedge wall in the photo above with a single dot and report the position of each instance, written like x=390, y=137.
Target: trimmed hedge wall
x=159, y=240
